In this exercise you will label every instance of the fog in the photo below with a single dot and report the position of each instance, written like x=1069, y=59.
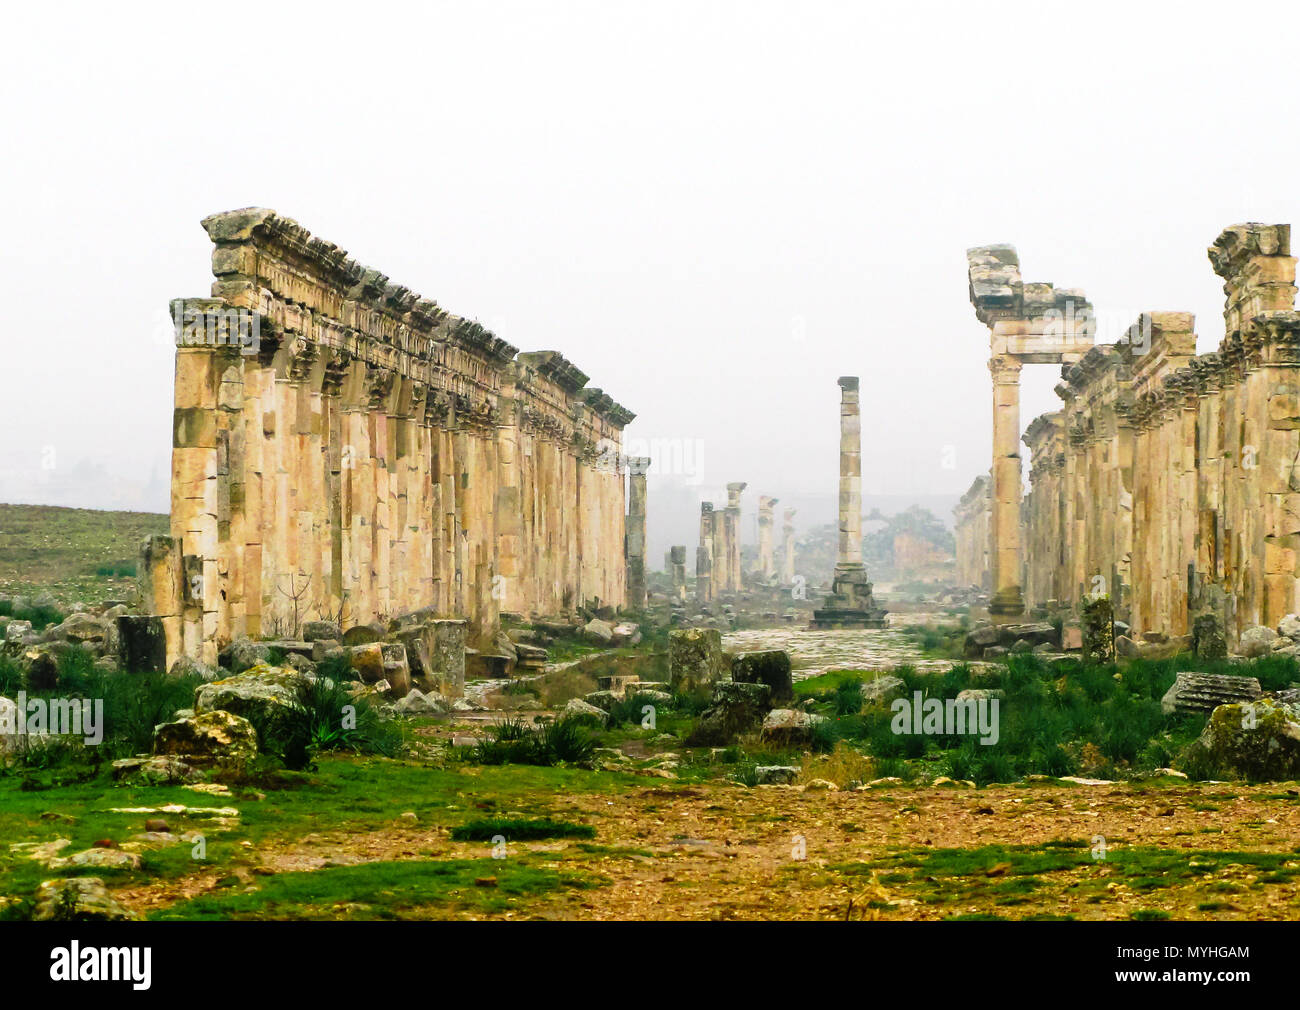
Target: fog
x=713, y=209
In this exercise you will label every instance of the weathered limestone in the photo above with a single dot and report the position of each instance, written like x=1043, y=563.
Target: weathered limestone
x=1168, y=480
x=704, y=585
x=1204, y=692
x=766, y=562
x=695, y=658
x=1028, y=323
x=787, y=557
x=677, y=563
x=972, y=531
x=360, y=453
x=850, y=603
x=636, y=511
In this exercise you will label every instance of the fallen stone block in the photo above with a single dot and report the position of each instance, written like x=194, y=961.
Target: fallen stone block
x=1204, y=692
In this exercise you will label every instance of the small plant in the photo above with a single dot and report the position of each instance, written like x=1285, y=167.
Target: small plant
x=848, y=697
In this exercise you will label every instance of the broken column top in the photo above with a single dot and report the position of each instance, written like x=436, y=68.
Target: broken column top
x=1239, y=243
x=998, y=292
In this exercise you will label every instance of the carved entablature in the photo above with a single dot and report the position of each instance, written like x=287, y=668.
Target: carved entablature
x=1279, y=337
x=1205, y=371
x=1231, y=358
x=315, y=301
x=437, y=408
x=336, y=364
x=300, y=358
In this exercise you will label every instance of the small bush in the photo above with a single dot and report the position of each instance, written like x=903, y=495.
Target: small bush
x=316, y=723
x=848, y=697
x=516, y=742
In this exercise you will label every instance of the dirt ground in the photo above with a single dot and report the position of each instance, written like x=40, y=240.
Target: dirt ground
x=715, y=851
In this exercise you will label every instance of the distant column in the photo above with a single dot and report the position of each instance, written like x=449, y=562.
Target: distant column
x=732, y=523
x=766, y=562
x=787, y=574
x=677, y=566
x=704, y=555
x=635, y=542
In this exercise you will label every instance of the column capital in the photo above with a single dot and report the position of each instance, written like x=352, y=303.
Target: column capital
x=1005, y=369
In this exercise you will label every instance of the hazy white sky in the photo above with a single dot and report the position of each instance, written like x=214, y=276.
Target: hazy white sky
x=714, y=209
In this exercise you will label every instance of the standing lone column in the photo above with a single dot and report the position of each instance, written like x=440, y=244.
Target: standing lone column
x=766, y=562
x=704, y=555
x=1007, y=602
x=635, y=542
x=850, y=604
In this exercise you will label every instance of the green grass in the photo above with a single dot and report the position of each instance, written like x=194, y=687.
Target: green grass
x=386, y=890
x=1005, y=873
x=343, y=794
x=518, y=829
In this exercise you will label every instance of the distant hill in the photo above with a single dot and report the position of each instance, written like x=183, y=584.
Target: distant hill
x=72, y=554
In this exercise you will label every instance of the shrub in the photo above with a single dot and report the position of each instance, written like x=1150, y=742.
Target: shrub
x=316, y=722
x=516, y=742
x=630, y=710
x=848, y=697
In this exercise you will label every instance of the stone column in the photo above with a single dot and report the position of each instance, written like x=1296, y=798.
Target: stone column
x=635, y=539
x=704, y=556
x=732, y=525
x=766, y=564
x=850, y=550
x=787, y=560
x=850, y=604
x=1007, y=604
x=677, y=568
x=720, y=553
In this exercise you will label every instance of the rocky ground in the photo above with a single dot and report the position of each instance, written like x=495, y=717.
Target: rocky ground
x=666, y=850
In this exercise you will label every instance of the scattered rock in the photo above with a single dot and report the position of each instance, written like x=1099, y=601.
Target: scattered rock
x=242, y=654
x=213, y=737
x=579, y=709
x=883, y=690
x=599, y=632
x=771, y=668
x=695, y=658
x=78, y=899
x=1259, y=740
x=416, y=702
x=1257, y=641
x=736, y=708
x=320, y=631
x=790, y=727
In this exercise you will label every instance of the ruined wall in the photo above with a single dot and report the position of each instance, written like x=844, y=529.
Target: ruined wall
x=971, y=518
x=1171, y=480
x=369, y=454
